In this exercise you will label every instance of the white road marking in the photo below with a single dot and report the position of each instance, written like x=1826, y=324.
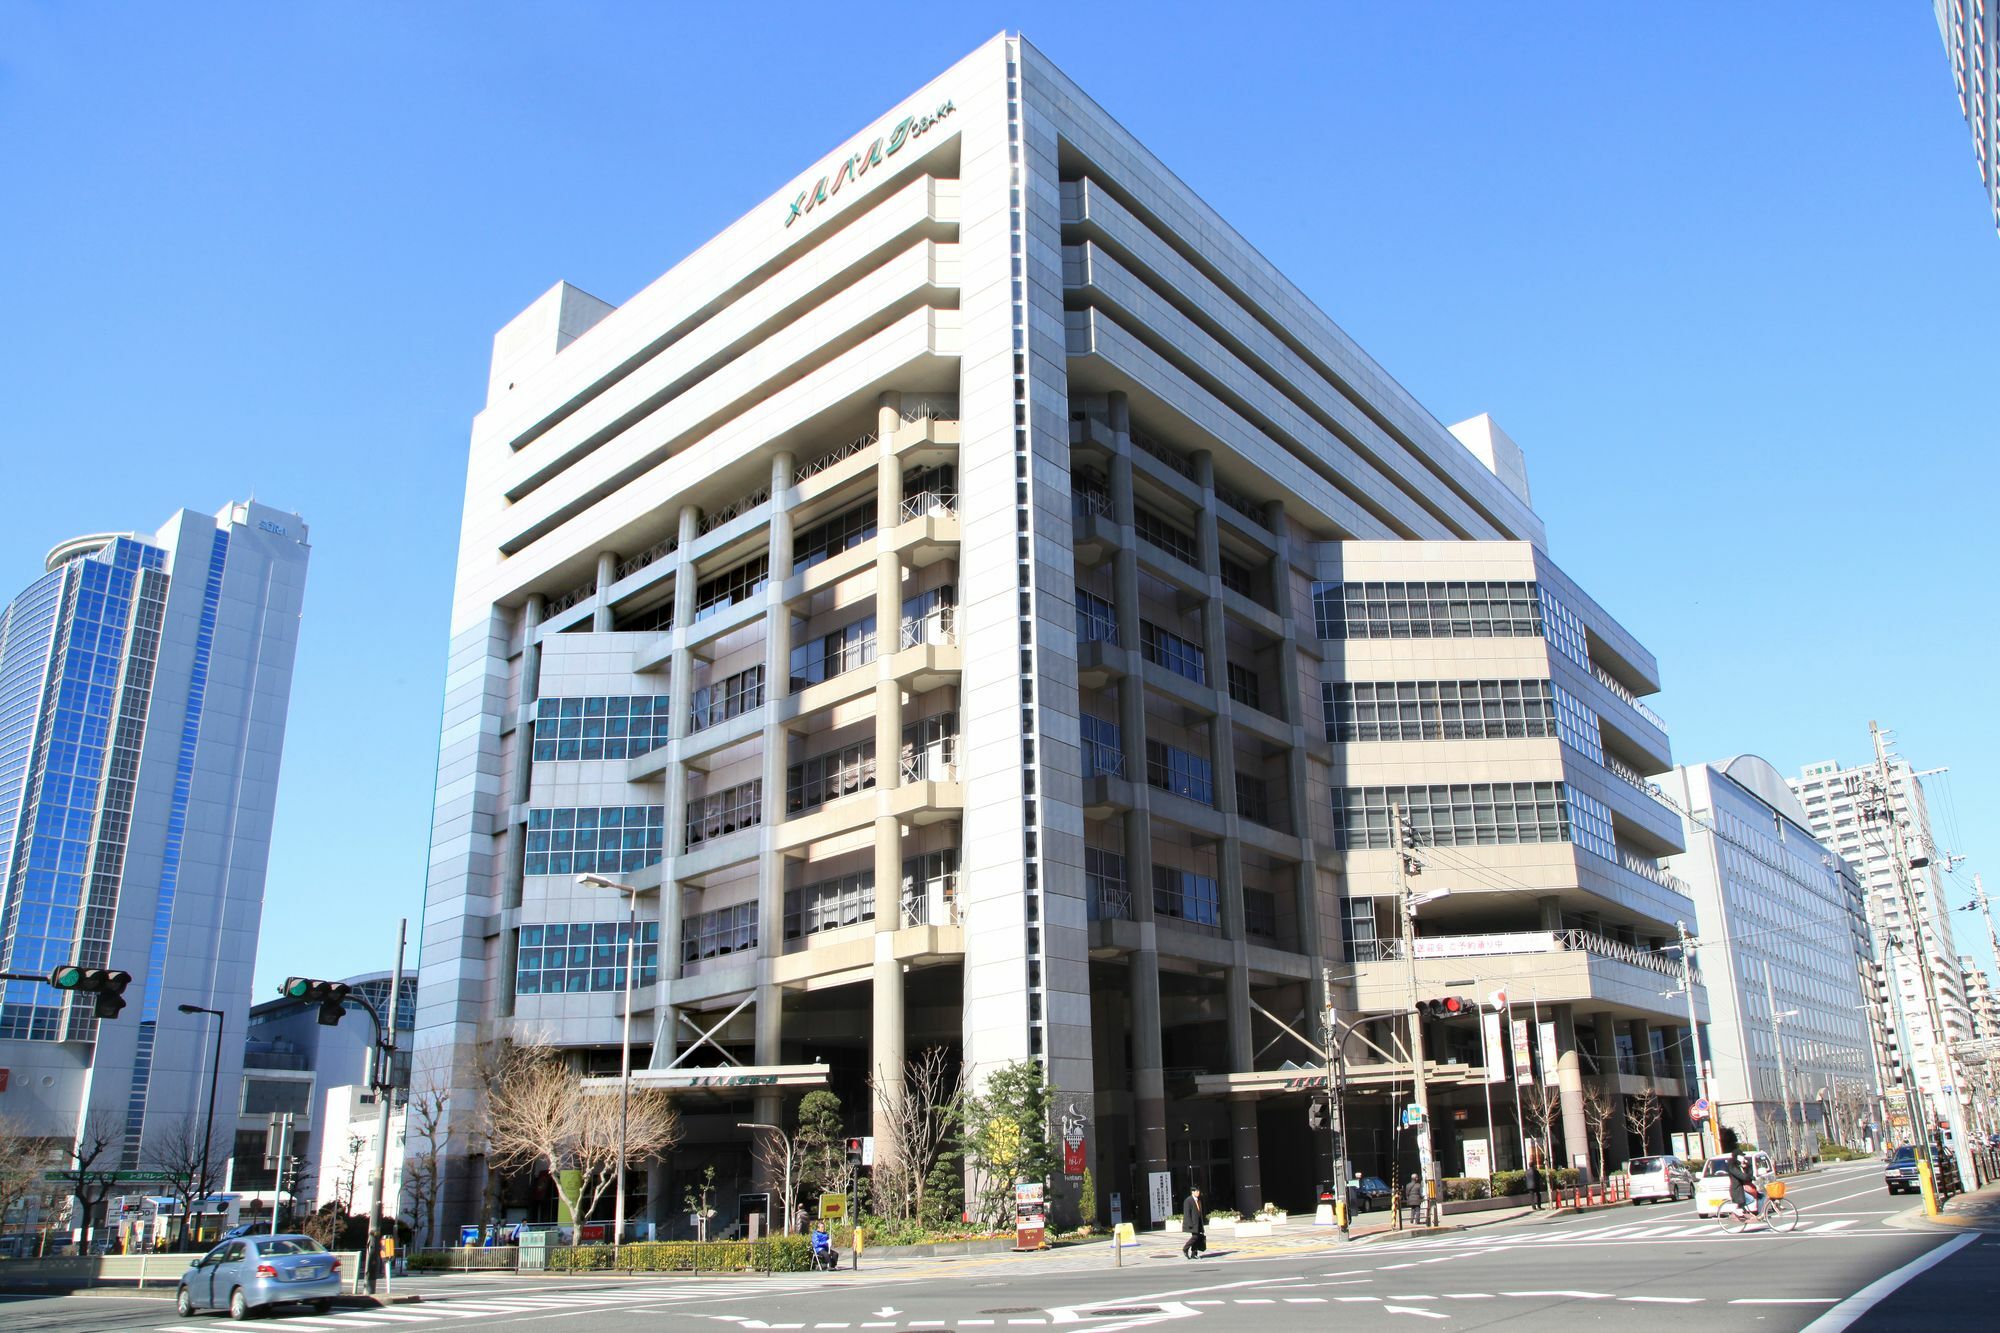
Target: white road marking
x=1413, y=1309
x=1573, y=1295
x=1843, y=1315
x=1305, y=1300
x=1468, y=1295
x=1785, y=1300
x=1664, y=1300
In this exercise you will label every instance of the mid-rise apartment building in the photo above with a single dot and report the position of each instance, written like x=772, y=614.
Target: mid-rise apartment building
x=144, y=683
x=977, y=602
x=1980, y=1002
x=1971, y=33
x=1784, y=951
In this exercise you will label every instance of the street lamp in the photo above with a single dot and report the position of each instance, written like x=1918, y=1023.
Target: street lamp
x=752, y=1124
x=208, y=1124
x=624, y=1050
x=1785, y=1084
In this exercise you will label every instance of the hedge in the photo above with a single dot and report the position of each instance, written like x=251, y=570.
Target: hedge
x=775, y=1254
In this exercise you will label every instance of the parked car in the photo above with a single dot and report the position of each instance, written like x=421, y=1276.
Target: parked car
x=1712, y=1190
x=242, y=1230
x=1657, y=1178
x=253, y=1273
x=1373, y=1192
x=1899, y=1171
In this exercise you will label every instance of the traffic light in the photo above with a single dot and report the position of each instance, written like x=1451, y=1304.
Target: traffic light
x=1409, y=836
x=1452, y=1006
x=107, y=984
x=330, y=996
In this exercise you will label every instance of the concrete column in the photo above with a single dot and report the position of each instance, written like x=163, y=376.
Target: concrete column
x=886, y=1036
x=1551, y=908
x=888, y=632
x=1243, y=1148
x=776, y=738
x=1294, y=709
x=1149, y=1101
x=607, y=574
x=1569, y=1082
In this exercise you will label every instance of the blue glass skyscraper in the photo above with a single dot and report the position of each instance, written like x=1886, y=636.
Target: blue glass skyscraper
x=144, y=683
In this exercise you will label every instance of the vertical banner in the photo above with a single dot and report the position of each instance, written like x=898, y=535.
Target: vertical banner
x=1523, y=1072
x=1490, y=1043
x=1548, y=1054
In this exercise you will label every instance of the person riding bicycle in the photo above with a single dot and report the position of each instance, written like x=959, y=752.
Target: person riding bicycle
x=1743, y=1192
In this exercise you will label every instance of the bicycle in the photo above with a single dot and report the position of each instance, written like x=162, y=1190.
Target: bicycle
x=1774, y=1210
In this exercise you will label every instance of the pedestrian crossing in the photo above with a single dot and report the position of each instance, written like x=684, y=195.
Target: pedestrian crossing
x=449, y=1310
x=1636, y=1232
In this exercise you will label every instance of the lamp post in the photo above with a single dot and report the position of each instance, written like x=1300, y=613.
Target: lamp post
x=1778, y=1050
x=624, y=1050
x=755, y=1124
x=208, y=1122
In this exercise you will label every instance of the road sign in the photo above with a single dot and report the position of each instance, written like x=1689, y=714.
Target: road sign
x=1698, y=1112
x=833, y=1207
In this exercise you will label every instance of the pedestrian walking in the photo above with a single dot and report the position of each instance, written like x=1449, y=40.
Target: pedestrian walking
x=1194, y=1224
x=1535, y=1180
x=800, y=1221
x=1413, y=1200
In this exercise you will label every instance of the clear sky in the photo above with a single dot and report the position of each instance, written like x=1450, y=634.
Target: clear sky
x=1724, y=271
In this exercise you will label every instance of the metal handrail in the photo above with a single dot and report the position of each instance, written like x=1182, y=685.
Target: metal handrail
x=939, y=625
x=933, y=409
x=558, y=605
x=1624, y=691
x=1639, y=865
x=657, y=551
x=1148, y=444
x=925, y=503
x=1102, y=761
x=1110, y=902
x=1088, y=500
x=832, y=456
x=740, y=505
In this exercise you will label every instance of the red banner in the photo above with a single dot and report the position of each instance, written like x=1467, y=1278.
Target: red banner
x=1073, y=1159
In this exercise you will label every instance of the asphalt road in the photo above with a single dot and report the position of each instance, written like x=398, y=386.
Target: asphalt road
x=1640, y=1268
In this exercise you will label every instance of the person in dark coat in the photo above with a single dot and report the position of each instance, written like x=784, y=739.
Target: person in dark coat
x=1535, y=1180
x=1194, y=1225
x=1742, y=1182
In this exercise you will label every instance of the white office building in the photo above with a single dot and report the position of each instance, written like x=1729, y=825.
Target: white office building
x=1784, y=951
x=979, y=603
x=1971, y=33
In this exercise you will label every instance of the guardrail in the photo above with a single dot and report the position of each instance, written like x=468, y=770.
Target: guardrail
x=159, y=1270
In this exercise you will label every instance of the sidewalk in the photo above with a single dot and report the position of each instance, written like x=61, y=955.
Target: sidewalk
x=1977, y=1211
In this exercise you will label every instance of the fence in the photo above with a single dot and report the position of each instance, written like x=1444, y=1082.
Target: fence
x=159, y=1270
x=465, y=1259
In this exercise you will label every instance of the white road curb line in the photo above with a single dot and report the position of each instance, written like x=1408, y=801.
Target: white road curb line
x=1843, y=1315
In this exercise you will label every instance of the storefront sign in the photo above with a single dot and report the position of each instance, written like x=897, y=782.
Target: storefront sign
x=1474, y=946
x=1160, y=1195
x=1072, y=1137
x=854, y=166
x=1523, y=1075
x=1030, y=1219
x=1478, y=1161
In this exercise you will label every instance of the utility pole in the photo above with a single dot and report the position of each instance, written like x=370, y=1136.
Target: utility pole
x=278, y=1152
x=1406, y=866
x=1940, y=1048
x=385, y=1094
x=1336, y=1092
x=1694, y=1039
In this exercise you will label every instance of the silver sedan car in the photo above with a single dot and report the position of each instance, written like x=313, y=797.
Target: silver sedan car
x=255, y=1272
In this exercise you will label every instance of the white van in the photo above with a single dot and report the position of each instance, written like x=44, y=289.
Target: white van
x=1712, y=1190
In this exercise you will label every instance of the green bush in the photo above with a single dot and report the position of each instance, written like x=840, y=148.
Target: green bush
x=1458, y=1189
x=1509, y=1182
x=1839, y=1152
x=776, y=1254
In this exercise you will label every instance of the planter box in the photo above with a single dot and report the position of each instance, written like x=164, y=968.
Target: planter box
x=1173, y=1224
x=990, y=1245
x=1485, y=1205
x=1248, y=1229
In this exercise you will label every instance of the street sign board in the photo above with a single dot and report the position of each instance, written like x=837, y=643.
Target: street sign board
x=137, y=1177
x=1698, y=1112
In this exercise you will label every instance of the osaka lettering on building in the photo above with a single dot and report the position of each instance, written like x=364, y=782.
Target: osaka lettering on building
x=857, y=165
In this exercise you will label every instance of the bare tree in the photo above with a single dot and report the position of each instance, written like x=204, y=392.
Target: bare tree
x=539, y=1117
x=23, y=1158
x=1642, y=1113
x=1542, y=1106
x=177, y=1149
x=918, y=1119
x=1599, y=1110
x=94, y=1153
x=424, y=1137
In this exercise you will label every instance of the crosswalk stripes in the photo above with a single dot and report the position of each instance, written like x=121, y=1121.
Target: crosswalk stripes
x=1807, y=1227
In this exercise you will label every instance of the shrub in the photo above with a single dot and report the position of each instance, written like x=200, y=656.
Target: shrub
x=1509, y=1182
x=1839, y=1152
x=1269, y=1211
x=776, y=1254
x=1457, y=1189
x=1225, y=1215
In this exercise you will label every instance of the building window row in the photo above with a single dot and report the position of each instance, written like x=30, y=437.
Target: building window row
x=833, y=654
x=1096, y=621
x=1260, y=913
x=731, y=586
x=1181, y=656
x=1453, y=815
x=1157, y=530
x=721, y=813
x=729, y=697
x=1438, y=710
x=845, y=900
x=1253, y=800
x=1244, y=687
x=1590, y=821
x=1564, y=630
x=1180, y=772
x=584, y=956
x=1240, y=578
x=828, y=777
x=1186, y=896
x=1410, y=610
x=594, y=840
x=1104, y=881
x=829, y=537
x=601, y=726
x=931, y=879
x=725, y=930
x=1576, y=724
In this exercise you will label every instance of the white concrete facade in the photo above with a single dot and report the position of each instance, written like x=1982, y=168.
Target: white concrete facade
x=1971, y=33
x=985, y=444
x=1784, y=951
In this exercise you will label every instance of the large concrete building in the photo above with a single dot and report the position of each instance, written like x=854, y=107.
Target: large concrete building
x=1785, y=953
x=978, y=602
x=1971, y=33
x=144, y=682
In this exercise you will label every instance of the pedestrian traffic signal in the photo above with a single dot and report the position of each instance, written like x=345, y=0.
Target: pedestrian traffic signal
x=107, y=984
x=1452, y=1006
x=854, y=1152
x=330, y=996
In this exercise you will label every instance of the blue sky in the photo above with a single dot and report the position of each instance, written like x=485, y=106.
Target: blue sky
x=1723, y=270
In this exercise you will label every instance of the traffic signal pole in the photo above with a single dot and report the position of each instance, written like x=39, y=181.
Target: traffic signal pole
x=1712, y=1121
x=385, y=1084
x=1426, y=1168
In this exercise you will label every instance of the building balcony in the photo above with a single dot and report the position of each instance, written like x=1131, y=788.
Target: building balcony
x=926, y=534
x=927, y=665
x=1545, y=966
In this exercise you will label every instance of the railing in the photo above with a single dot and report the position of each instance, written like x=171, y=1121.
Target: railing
x=1520, y=942
x=1584, y=941
x=923, y=504
x=1242, y=504
x=936, y=626
x=1619, y=688
x=1102, y=761
x=1110, y=902
x=832, y=456
x=659, y=550
x=1620, y=769
x=1639, y=865
x=933, y=409
x=741, y=505
x=1092, y=628
x=558, y=605
x=1085, y=501
x=918, y=907
x=1147, y=444
x=927, y=767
